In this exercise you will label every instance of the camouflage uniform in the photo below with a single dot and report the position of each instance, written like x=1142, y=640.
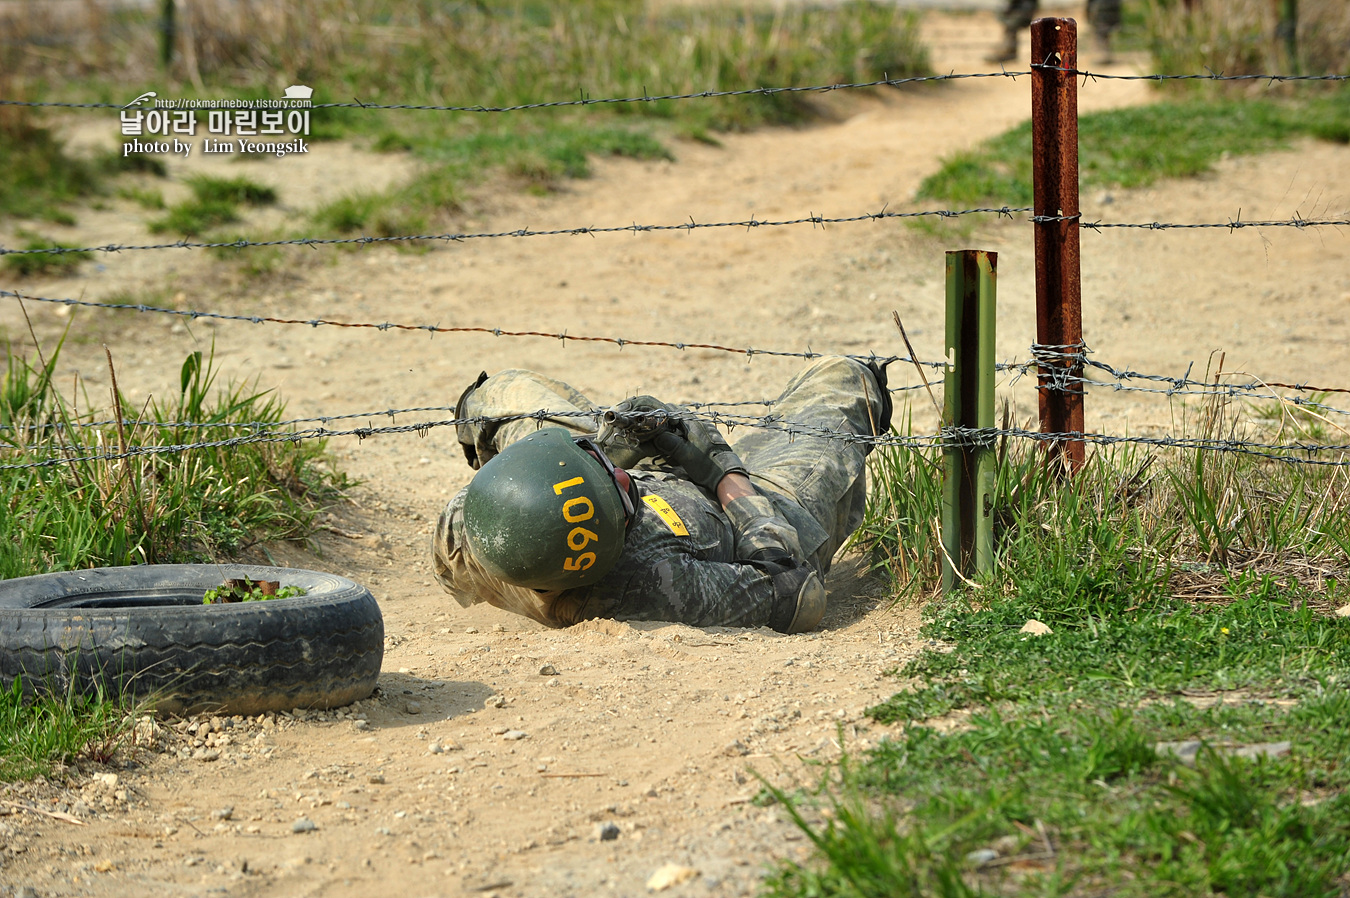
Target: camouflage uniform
x=811, y=496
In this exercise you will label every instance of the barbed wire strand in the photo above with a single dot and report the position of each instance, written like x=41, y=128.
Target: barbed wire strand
x=1233, y=224
x=1178, y=386
x=1086, y=75
x=621, y=342
x=598, y=101
x=691, y=225
x=392, y=413
x=950, y=437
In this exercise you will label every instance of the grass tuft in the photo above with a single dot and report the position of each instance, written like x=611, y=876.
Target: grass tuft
x=1140, y=146
x=39, y=734
x=198, y=505
x=1188, y=597
x=215, y=202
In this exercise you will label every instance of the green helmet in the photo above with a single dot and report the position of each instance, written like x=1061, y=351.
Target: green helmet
x=546, y=514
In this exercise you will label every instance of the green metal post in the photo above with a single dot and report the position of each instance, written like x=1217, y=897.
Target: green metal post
x=168, y=35
x=968, y=465
x=1286, y=31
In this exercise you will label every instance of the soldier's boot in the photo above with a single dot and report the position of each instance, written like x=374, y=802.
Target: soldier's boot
x=800, y=602
x=882, y=425
x=1006, y=51
x=465, y=432
x=810, y=605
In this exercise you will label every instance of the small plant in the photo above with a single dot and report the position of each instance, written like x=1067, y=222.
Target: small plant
x=242, y=589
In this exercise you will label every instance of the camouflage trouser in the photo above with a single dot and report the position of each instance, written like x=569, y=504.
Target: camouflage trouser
x=810, y=462
x=1103, y=15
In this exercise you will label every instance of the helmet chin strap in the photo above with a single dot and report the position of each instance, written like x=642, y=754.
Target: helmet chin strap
x=622, y=481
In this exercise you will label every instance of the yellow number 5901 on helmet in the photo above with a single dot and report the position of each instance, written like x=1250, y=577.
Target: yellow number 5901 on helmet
x=545, y=513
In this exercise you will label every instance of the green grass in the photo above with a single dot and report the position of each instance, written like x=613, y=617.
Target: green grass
x=45, y=263
x=37, y=735
x=192, y=218
x=215, y=202
x=39, y=175
x=42, y=178
x=210, y=189
x=538, y=160
x=146, y=199
x=1139, y=146
x=1189, y=599
x=498, y=53
x=199, y=505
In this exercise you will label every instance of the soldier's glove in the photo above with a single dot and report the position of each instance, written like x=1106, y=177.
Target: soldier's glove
x=628, y=429
x=700, y=449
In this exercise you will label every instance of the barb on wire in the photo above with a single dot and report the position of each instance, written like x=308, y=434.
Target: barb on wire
x=691, y=225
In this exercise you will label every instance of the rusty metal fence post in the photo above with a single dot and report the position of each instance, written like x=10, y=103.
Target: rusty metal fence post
x=1059, y=319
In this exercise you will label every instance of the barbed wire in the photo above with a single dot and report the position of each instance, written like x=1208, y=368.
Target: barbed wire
x=600, y=101
x=1208, y=76
x=1087, y=75
x=621, y=342
x=1256, y=387
x=947, y=437
x=1177, y=385
x=691, y=225
x=392, y=413
x=1233, y=224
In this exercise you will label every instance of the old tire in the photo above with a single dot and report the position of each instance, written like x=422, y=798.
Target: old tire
x=143, y=633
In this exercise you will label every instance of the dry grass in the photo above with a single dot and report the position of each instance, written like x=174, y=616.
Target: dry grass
x=1238, y=37
x=493, y=52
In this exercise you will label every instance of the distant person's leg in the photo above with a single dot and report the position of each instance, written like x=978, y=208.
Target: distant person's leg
x=1104, y=17
x=1016, y=16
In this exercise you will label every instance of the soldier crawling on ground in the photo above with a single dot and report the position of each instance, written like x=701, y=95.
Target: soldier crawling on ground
x=1017, y=15
x=656, y=517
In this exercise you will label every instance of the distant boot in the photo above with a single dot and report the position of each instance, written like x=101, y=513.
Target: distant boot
x=1007, y=50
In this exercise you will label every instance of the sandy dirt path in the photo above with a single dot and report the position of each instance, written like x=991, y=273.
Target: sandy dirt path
x=501, y=758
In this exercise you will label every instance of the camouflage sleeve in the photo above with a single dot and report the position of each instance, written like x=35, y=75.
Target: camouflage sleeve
x=682, y=587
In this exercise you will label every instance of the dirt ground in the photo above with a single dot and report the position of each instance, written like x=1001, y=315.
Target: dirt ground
x=499, y=758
